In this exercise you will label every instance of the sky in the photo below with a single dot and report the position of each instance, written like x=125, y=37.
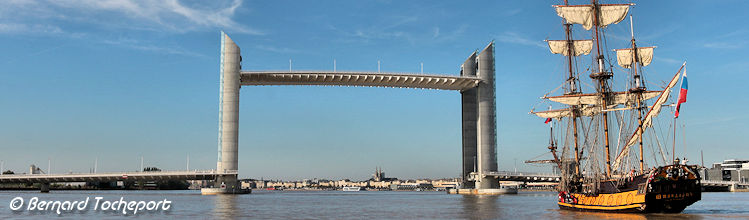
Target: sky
x=116, y=80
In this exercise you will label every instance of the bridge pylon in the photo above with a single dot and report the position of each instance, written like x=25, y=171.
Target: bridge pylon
x=479, y=125
x=228, y=133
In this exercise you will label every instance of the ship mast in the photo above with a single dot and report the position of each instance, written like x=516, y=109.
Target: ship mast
x=588, y=105
x=573, y=90
x=602, y=77
x=638, y=89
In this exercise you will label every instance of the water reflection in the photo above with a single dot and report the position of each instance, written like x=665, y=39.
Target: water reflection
x=225, y=206
x=637, y=216
x=599, y=215
x=480, y=207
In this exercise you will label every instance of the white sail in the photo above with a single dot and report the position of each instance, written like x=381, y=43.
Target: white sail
x=583, y=14
x=579, y=47
x=625, y=57
x=612, y=14
x=567, y=112
x=648, y=120
x=619, y=98
x=630, y=99
x=645, y=54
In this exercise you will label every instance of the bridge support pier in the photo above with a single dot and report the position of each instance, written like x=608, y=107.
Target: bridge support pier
x=470, y=115
x=44, y=187
x=480, y=125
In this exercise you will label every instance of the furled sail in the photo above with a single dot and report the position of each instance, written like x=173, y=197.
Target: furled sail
x=617, y=98
x=583, y=14
x=626, y=58
x=648, y=120
x=567, y=112
x=579, y=47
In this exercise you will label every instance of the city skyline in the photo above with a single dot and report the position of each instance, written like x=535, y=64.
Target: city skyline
x=117, y=80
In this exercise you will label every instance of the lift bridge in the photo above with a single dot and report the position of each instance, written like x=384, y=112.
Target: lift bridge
x=476, y=84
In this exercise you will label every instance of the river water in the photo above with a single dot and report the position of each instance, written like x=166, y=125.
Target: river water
x=262, y=204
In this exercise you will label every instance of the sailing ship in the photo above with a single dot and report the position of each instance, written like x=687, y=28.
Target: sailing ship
x=605, y=123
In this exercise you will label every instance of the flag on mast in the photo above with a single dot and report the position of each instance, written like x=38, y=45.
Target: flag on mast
x=547, y=120
x=682, y=92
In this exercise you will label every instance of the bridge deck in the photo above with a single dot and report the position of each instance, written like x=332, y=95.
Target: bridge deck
x=367, y=79
x=108, y=177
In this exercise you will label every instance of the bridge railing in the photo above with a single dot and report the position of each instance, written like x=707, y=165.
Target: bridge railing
x=509, y=173
x=355, y=72
x=721, y=182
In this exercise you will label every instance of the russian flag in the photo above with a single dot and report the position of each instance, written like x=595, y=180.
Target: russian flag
x=682, y=93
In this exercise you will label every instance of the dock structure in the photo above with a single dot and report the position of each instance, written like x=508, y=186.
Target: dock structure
x=46, y=179
x=112, y=176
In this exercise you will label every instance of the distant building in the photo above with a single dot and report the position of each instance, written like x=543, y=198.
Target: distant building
x=728, y=170
x=248, y=183
x=379, y=176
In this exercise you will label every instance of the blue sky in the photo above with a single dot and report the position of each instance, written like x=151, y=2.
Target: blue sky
x=118, y=79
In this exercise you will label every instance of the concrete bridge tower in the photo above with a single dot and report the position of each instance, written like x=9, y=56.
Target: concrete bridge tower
x=480, y=125
x=228, y=133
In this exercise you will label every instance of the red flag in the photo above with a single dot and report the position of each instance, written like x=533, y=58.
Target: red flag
x=547, y=120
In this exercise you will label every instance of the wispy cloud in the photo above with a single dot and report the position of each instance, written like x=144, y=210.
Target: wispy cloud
x=143, y=46
x=516, y=38
x=657, y=33
x=451, y=35
x=13, y=28
x=512, y=12
x=403, y=28
x=282, y=50
x=161, y=16
x=37, y=29
x=385, y=30
x=728, y=41
x=725, y=45
x=130, y=24
x=668, y=60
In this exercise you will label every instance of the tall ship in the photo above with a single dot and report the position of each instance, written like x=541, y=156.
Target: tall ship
x=611, y=156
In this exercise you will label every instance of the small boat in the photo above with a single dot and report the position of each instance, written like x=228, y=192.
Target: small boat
x=351, y=188
x=508, y=189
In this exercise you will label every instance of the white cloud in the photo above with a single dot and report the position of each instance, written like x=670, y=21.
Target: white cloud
x=167, y=15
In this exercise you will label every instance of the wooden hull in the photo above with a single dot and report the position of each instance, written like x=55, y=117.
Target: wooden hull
x=615, y=202
x=643, y=194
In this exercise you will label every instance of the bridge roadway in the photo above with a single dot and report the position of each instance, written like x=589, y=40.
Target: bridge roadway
x=523, y=176
x=721, y=186
x=366, y=79
x=114, y=176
